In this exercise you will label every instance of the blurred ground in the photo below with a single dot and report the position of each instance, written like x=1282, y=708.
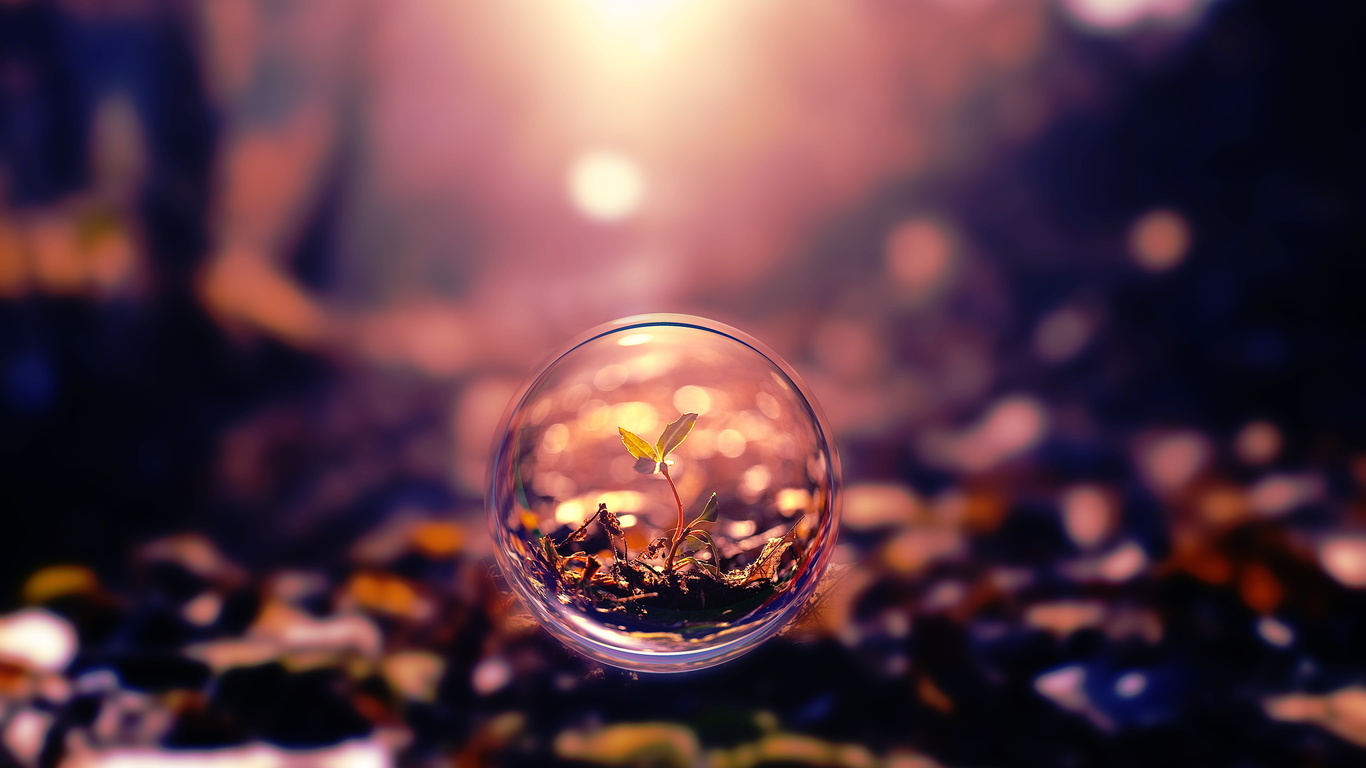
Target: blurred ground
x=1077, y=284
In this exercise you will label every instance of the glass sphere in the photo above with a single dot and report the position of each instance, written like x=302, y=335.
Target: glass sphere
x=663, y=494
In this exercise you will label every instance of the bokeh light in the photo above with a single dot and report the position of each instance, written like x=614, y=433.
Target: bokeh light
x=606, y=186
x=1159, y=240
x=1113, y=16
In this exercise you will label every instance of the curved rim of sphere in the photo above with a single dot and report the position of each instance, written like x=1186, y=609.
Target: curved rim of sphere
x=594, y=645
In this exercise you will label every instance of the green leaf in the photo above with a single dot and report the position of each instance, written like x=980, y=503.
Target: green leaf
x=702, y=565
x=702, y=537
x=638, y=447
x=711, y=511
x=674, y=434
x=646, y=465
x=697, y=541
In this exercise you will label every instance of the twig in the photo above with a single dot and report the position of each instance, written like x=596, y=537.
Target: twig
x=602, y=507
x=631, y=597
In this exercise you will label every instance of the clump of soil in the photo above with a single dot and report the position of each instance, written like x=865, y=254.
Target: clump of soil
x=639, y=595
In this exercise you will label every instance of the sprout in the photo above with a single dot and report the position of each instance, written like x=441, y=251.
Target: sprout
x=655, y=458
x=635, y=585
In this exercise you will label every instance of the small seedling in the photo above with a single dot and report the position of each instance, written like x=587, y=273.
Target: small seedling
x=655, y=458
x=639, y=586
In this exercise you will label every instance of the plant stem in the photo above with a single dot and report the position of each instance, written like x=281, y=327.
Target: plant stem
x=678, y=533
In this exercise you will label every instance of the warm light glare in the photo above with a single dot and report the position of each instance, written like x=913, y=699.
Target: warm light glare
x=730, y=443
x=1258, y=442
x=1159, y=240
x=636, y=416
x=1118, y=15
x=632, y=10
x=1062, y=334
x=1169, y=461
x=37, y=638
x=366, y=753
x=1012, y=426
x=1088, y=515
x=634, y=340
x=692, y=399
x=1344, y=558
x=594, y=415
x=556, y=438
x=920, y=255
x=609, y=377
x=606, y=186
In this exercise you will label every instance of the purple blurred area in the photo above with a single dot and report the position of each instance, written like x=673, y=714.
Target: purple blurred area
x=1077, y=282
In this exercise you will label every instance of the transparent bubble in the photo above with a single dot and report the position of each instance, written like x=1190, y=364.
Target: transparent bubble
x=586, y=519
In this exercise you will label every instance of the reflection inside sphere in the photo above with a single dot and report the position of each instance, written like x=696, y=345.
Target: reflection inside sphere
x=663, y=494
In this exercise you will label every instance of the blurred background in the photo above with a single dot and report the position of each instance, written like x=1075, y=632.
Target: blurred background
x=1077, y=283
